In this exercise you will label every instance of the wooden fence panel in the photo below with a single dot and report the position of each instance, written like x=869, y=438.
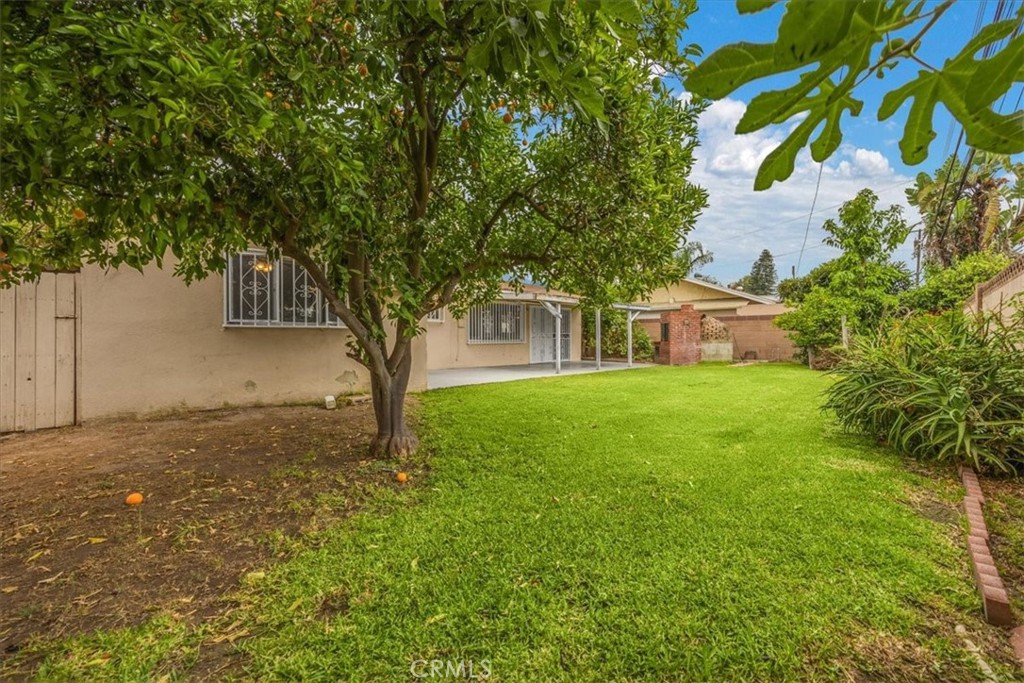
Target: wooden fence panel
x=38, y=353
x=46, y=349
x=6, y=360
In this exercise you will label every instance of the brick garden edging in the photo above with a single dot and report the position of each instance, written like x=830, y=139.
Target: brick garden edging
x=995, y=600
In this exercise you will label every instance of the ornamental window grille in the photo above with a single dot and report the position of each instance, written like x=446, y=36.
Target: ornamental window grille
x=436, y=315
x=260, y=292
x=497, y=323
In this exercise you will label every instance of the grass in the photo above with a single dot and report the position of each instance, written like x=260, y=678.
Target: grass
x=664, y=524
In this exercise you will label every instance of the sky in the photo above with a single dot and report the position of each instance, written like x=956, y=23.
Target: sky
x=739, y=222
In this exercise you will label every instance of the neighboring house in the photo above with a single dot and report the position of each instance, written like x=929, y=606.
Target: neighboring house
x=516, y=329
x=79, y=346
x=741, y=326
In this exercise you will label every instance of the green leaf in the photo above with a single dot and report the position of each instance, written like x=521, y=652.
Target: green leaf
x=776, y=106
x=810, y=28
x=779, y=164
x=753, y=6
x=730, y=67
x=589, y=99
x=918, y=132
x=75, y=29
x=436, y=12
x=995, y=76
x=832, y=135
x=626, y=10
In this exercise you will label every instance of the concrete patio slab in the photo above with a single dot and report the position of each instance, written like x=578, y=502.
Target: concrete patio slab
x=440, y=379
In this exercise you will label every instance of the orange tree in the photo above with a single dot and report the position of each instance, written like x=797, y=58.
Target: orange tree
x=408, y=154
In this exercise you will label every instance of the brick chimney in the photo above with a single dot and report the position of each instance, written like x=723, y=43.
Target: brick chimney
x=680, y=337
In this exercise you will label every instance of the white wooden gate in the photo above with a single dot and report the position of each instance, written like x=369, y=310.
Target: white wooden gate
x=39, y=353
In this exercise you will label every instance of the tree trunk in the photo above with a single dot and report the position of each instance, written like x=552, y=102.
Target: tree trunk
x=394, y=438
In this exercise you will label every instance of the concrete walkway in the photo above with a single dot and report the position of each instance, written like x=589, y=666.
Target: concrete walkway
x=440, y=379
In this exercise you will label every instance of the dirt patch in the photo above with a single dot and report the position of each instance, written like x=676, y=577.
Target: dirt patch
x=222, y=489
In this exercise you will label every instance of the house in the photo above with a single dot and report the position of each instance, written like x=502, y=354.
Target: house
x=518, y=328
x=91, y=344
x=102, y=343
x=734, y=325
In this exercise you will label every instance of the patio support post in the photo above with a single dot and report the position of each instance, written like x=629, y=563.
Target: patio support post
x=629, y=338
x=558, y=339
x=597, y=335
x=631, y=315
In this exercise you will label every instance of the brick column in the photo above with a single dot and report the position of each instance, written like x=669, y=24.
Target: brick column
x=683, y=344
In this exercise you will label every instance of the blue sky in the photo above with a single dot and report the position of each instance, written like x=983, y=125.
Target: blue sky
x=739, y=222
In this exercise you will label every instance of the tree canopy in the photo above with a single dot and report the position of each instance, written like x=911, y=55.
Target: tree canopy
x=835, y=46
x=408, y=154
x=861, y=285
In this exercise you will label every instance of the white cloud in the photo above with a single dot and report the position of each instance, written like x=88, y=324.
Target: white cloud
x=739, y=222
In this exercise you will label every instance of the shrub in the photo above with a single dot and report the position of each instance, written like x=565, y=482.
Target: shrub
x=613, y=336
x=946, y=387
x=949, y=288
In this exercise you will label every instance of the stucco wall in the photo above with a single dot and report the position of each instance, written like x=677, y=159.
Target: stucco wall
x=150, y=343
x=448, y=345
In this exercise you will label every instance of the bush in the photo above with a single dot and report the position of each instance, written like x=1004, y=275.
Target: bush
x=948, y=288
x=613, y=336
x=944, y=387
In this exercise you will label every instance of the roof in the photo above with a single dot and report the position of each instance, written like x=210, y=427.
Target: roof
x=732, y=292
x=524, y=292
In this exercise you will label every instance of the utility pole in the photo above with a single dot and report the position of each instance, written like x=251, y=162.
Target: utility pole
x=917, y=256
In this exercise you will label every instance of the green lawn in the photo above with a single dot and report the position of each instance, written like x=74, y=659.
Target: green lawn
x=663, y=524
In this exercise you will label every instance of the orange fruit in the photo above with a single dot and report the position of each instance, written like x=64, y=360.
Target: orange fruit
x=465, y=125
x=133, y=499
x=349, y=27
x=363, y=71
x=507, y=118
x=269, y=95
x=402, y=477
x=78, y=214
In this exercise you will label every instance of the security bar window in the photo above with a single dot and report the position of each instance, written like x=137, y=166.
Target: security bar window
x=259, y=292
x=498, y=323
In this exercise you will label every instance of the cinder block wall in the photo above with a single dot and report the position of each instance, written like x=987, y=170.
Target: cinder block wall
x=757, y=334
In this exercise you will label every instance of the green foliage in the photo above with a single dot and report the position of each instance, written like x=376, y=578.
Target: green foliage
x=421, y=150
x=848, y=41
x=613, y=336
x=793, y=290
x=947, y=387
x=948, y=288
x=861, y=285
x=969, y=209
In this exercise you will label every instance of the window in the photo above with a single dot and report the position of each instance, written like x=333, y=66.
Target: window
x=664, y=332
x=259, y=292
x=499, y=323
x=436, y=316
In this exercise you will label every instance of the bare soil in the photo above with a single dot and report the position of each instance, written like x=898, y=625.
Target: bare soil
x=221, y=489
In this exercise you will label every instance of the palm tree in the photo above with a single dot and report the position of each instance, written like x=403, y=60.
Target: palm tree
x=972, y=207
x=691, y=256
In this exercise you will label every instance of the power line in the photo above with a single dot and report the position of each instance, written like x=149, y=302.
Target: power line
x=807, y=231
